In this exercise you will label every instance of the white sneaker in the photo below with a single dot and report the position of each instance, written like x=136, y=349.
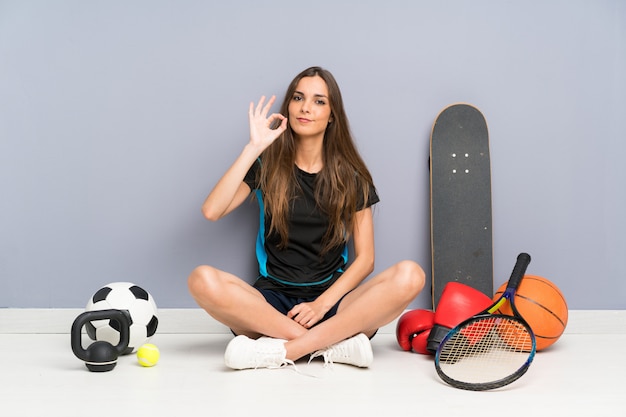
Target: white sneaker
x=356, y=351
x=264, y=352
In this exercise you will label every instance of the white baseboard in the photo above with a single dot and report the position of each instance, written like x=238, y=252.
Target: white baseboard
x=190, y=321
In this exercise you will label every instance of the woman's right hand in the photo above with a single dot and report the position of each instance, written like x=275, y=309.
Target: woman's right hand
x=261, y=133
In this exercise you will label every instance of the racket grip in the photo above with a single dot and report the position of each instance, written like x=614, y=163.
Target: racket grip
x=523, y=259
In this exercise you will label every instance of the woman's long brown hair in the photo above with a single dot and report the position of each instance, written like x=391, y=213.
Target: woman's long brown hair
x=343, y=183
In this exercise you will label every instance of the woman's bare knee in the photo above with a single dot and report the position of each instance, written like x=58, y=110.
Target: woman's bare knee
x=200, y=279
x=410, y=276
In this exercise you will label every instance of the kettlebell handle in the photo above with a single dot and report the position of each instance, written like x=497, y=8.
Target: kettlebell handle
x=112, y=314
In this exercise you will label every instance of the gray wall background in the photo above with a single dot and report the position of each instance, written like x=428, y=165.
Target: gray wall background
x=117, y=117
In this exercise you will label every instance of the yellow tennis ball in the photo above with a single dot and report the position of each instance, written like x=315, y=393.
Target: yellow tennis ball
x=148, y=355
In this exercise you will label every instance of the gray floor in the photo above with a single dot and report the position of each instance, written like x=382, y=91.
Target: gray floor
x=39, y=376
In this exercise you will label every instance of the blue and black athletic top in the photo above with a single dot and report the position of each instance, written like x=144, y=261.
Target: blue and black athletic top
x=298, y=270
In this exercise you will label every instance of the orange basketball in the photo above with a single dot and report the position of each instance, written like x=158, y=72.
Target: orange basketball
x=542, y=305
x=515, y=336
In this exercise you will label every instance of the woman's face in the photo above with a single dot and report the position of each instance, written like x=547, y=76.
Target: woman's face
x=309, y=108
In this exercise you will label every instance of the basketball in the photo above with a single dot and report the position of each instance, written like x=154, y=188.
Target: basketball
x=542, y=305
x=515, y=336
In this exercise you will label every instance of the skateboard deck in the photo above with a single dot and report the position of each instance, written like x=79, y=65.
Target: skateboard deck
x=460, y=198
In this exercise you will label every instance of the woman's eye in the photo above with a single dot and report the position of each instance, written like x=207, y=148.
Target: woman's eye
x=297, y=98
x=321, y=102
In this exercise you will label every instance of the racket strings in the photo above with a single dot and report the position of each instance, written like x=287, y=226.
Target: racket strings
x=486, y=350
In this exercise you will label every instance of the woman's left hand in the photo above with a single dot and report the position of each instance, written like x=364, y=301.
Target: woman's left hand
x=306, y=314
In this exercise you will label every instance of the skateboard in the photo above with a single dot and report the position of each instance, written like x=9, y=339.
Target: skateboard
x=460, y=200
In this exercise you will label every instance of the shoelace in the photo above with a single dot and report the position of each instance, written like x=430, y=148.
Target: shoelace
x=326, y=354
x=269, y=364
x=270, y=358
x=286, y=363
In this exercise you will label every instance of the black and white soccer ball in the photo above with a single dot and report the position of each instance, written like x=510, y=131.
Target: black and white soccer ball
x=139, y=304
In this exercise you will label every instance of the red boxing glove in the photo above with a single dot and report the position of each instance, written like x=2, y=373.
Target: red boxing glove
x=413, y=329
x=458, y=302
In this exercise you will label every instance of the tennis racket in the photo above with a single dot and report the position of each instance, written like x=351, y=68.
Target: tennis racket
x=489, y=350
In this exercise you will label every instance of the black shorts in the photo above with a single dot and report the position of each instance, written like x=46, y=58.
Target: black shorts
x=285, y=303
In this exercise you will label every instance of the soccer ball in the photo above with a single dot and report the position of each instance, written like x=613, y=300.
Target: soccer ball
x=139, y=304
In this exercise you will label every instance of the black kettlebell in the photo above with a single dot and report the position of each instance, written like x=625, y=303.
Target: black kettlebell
x=100, y=356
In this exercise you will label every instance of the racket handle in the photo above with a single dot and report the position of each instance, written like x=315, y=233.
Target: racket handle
x=523, y=259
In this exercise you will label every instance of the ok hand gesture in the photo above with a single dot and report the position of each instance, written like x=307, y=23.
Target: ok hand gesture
x=261, y=133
